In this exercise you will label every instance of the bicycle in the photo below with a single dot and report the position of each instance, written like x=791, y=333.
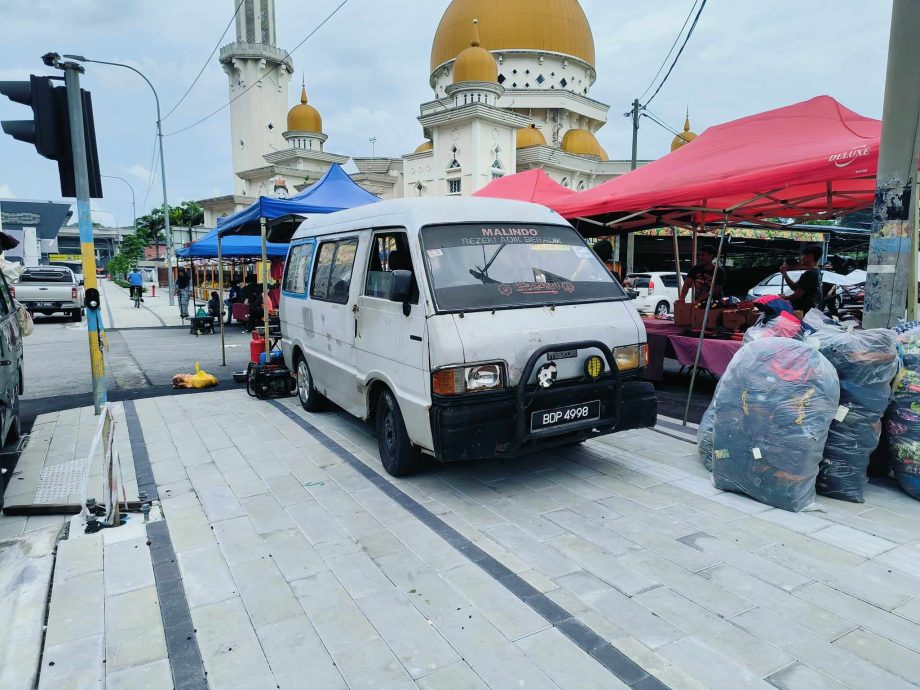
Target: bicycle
x=137, y=294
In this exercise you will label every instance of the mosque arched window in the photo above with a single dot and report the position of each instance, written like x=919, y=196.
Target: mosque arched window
x=565, y=182
x=581, y=186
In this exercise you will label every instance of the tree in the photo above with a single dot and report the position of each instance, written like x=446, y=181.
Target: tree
x=150, y=231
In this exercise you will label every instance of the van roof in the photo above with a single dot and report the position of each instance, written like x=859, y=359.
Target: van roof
x=416, y=213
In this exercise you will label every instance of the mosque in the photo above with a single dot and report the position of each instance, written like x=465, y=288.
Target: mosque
x=511, y=91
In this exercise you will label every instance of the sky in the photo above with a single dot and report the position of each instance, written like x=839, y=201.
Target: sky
x=367, y=72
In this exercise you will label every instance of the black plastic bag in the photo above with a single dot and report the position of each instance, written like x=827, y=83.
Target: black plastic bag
x=902, y=421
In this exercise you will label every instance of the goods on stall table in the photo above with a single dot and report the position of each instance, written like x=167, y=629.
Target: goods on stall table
x=771, y=413
x=902, y=421
x=866, y=363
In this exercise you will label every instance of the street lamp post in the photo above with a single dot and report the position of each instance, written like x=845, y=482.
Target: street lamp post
x=133, y=204
x=169, y=240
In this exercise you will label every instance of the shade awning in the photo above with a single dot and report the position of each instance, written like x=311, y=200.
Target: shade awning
x=232, y=247
x=811, y=159
x=532, y=185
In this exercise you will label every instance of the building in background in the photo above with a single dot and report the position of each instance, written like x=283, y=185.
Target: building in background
x=35, y=225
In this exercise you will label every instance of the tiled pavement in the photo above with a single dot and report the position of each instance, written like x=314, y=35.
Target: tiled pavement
x=301, y=568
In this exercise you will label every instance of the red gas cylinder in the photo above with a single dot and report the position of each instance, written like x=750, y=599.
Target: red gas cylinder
x=256, y=347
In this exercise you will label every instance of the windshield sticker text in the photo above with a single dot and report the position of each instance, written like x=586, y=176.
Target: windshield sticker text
x=537, y=288
x=502, y=239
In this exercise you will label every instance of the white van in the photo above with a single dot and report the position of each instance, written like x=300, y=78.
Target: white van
x=464, y=328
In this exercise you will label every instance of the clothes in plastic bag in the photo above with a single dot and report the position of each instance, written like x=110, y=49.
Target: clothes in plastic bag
x=704, y=438
x=902, y=421
x=772, y=410
x=783, y=325
x=866, y=362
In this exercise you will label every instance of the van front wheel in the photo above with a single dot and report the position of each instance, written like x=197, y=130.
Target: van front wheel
x=310, y=399
x=399, y=457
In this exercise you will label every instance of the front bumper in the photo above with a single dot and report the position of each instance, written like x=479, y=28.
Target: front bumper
x=496, y=425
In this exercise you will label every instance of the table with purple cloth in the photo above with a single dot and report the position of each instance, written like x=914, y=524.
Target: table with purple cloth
x=665, y=340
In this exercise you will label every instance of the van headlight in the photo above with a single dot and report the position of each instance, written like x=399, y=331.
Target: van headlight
x=481, y=377
x=630, y=356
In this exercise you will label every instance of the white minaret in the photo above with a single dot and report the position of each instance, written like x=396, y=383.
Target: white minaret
x=258, y=114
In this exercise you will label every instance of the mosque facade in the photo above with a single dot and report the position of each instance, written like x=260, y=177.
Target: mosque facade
x=511, y=91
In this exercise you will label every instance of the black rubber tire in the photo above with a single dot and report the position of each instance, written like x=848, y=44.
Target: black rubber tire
x=399, y=457
x=662, y=312
x=76, y=315
x=310, y=399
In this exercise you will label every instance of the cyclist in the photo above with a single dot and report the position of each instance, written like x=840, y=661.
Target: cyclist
x=136, y=280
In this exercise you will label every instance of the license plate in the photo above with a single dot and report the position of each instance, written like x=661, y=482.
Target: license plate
x=562, y=354
x=44, y=304
x=565, y=416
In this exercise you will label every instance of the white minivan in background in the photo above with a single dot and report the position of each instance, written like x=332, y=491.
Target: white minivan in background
x=463, y=328
x=658, y=292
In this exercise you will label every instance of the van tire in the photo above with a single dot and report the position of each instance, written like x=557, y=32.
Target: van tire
x=662, y=308
x=310, y=399
x=399, y=457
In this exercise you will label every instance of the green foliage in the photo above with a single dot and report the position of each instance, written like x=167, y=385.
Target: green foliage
x=150, y=232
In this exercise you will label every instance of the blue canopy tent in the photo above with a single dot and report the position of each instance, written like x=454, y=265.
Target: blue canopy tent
x=334, y=191
x=233, y=247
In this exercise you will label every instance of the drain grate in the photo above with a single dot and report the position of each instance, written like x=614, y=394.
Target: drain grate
x=59, y=481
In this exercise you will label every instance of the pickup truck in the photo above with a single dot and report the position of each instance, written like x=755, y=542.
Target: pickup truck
x=49, y=289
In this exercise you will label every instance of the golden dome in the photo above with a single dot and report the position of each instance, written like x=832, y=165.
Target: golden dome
x=530, y=136
x=684, y=137
x=304, y=117
x=475, y=63
x=425, y=146
x=583, y=143
x=555, y=26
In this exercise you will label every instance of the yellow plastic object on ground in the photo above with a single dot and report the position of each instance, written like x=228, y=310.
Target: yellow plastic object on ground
x=200, y=379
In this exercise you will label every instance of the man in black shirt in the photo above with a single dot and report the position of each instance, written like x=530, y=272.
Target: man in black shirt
x=700, y=277
x=808, y=292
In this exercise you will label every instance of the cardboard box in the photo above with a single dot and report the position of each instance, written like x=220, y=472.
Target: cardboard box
x=734, y=319
x=752, y=316
x=683, y=313
x=697, y=318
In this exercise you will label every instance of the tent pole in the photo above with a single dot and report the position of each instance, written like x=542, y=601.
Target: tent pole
x=262, y=227
x=699, y=345
x=680, y=282
x=220, y=282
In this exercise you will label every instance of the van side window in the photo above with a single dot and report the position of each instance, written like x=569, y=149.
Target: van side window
x=332, y=272
x=389, y=252
x=295, y=273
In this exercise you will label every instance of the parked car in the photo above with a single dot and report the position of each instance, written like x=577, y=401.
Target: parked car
x=465, y=328
x=50, y=289
x=657, y=291
x=841, y=289
x=11, y=378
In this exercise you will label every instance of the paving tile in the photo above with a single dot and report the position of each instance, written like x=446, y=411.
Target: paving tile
x=424, y=588
x=875, y=583
x=865, y=615
x=78, y=555
x=265, y=592
x=504, y=610
x=333, y=613
x=287, y=490
x=371, y=664
x=188, y=526
x=607, y=539
x=905, y=558
x=127, y=566
x=656, y=665
x=657, y=520
x=605, y=566
x=884, y=653
x=854, y=540
x=409, y=634
x=715, y=632
x=316, y=522
x=812, y=650
x=77, y=609
x=153, y=676
x=541, y=556
x=820, y=621
x=528, y=520
x=457, y=676
x=910, y=610
x=425, y=544
x=293, y=554
x=266, y=514
x=244, y=482
x=566, y=664
x=802, y=677
x=74, y=665
x=712, y=525
x=133, y=629
x=467, y=509
x=220, y=503
x=714, y=670
x=229, y=647
x=358, y=574
x=229, y=459
x=293, y=644
x=499, y=662
x=239, y=540
x=205, y=576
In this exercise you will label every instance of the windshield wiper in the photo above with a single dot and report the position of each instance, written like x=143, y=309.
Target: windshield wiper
x=482, y=274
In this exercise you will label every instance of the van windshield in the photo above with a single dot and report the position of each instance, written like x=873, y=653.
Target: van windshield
x=501, y=265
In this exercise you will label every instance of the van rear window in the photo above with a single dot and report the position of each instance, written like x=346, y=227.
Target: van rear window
x=501, y=265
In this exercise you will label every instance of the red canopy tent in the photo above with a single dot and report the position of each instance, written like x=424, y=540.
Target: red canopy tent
x=531, y=185
x=811, y=159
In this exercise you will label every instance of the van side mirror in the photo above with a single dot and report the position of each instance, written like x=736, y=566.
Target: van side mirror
x=401, y=287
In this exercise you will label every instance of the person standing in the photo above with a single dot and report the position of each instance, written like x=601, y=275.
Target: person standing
x=234, y=296
x=700, y=277
x=183, y=286
x=136, y=282
x=807, y=290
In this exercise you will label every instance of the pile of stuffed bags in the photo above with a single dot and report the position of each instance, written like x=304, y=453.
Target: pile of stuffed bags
x=800, y=410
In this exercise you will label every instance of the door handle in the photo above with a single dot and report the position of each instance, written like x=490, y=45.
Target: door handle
x=355, y=309
x=5, y=363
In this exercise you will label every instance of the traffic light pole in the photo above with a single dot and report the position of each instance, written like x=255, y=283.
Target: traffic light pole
x=94, y=325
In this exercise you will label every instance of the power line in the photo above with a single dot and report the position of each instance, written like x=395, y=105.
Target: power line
x=287, y=54
x=153, y=162
x=679, y=52
x=673, y=46
x=663, y=125
x=206, y=62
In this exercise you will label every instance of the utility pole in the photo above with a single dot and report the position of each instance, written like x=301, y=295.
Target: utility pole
x=893, y=244
x=94, y=326
x=631, y=237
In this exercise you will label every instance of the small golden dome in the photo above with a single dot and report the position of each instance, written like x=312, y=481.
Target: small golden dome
x=530, y=136
x=583, y=143
x=304, y=117
x=684, y=137
x=475, y=63
x=425, y=146
x=553, y=26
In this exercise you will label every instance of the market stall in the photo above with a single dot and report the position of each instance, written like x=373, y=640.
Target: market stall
x=531, y=185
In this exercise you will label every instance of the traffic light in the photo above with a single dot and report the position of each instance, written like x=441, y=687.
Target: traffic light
x=49, y=128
